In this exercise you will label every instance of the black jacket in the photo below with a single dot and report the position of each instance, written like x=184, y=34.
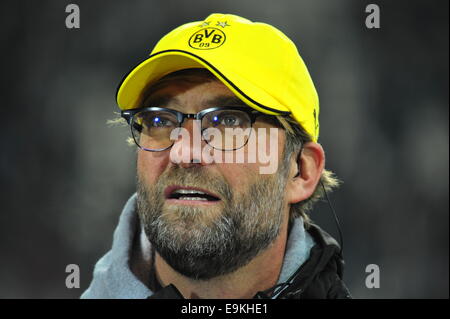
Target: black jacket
x=320, y=277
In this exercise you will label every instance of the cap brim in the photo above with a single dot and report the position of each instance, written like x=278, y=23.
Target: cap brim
x=129, y=92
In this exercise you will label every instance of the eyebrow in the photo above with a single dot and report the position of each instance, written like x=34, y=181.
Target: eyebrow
x=218, y=101
x=225, y=100
x=160, y=101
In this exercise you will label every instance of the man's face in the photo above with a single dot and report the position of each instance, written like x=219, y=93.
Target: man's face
x=204, y=236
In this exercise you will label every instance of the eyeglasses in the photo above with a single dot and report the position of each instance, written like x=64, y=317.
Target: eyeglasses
x=223, y=128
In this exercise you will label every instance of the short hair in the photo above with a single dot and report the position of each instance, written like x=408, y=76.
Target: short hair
x=296, y=137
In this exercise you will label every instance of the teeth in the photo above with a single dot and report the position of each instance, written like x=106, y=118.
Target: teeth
x=188, y=191
x=192, y=198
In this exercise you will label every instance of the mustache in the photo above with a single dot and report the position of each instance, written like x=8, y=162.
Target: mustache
x=195, y=176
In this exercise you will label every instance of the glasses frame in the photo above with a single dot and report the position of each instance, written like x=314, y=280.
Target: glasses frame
x=128, y=115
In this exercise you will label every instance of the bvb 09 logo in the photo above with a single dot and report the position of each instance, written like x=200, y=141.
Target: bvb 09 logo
x=205, y=39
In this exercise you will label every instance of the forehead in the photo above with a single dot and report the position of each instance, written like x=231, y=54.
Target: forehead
x=179, y=90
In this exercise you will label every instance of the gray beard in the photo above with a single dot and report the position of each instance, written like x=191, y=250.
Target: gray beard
x=202, y=246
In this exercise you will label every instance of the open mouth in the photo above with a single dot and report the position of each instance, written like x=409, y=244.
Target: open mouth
x=190, y=194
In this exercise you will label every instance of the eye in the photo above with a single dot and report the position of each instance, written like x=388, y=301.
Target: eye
x=228, y=120
x=159, y=121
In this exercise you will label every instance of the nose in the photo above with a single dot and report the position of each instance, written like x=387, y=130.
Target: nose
x=188, y=144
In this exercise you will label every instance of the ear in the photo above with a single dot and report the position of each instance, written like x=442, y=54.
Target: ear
x=305, y=172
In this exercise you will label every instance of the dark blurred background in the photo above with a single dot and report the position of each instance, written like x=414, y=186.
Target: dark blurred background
x=65, y=175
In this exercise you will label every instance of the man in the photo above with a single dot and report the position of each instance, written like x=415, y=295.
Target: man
x=208, y=221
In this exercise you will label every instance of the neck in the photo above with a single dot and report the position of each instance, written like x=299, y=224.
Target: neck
x=243, y=283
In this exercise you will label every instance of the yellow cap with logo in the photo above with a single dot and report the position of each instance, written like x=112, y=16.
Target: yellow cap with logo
x=256, y=61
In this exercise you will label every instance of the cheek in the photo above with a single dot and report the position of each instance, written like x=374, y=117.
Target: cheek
x=265, y=149
x=150, y=165
x=238, y=175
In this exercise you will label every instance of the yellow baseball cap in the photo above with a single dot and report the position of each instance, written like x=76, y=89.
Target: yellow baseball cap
x=256, y=61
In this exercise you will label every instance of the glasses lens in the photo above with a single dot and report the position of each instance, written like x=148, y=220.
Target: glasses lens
x=226, y=129
x=151, y=129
